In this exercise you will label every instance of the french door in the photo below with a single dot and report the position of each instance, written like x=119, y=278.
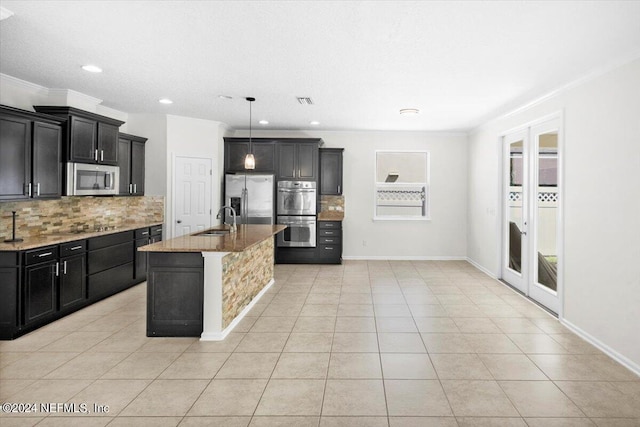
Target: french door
x=531, y=226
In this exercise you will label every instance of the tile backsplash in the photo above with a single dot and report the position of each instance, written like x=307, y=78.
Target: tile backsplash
x=331, y=203
x=42, y=217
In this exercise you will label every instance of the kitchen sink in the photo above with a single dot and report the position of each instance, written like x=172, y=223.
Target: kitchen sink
x=214, y=233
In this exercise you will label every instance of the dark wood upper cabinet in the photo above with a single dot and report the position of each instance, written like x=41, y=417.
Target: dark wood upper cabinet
x=298, y=160
x=308, y=161
x=47, y=160
x=82, y=140
x=89, y=137
x=108, y=143
x=331, y=171
x=287, y=164
x=15, y=156
x=30, y=155
x=236, y=149
x=131, y=157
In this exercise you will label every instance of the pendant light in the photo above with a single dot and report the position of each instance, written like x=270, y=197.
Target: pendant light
x=249, y=160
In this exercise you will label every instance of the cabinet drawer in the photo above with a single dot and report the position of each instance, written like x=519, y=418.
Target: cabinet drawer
x=329, y=249
x=329, y=233
x=73, y=248
x=330, y=240
x=142, y=232
x=110, y=240
x=39, y=255
x=156, y=230
x=103, y=259
x=330, y=225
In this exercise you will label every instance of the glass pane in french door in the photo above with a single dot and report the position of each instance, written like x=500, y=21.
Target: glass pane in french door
x=515, y=205
x=547, y=211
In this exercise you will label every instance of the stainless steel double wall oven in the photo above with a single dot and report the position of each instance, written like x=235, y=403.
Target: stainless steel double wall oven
x=296, y=208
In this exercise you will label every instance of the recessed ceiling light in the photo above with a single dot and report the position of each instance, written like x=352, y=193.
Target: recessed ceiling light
x=314, y=123
x=409, y=111
x=165, y=101
x=92, y=68
x=225, y=97
x=264, y=122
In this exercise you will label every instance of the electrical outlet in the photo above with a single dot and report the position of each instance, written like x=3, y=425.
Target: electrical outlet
x=364, y=243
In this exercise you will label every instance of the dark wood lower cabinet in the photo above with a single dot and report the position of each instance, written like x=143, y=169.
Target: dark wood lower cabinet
x=328, y=248
x=73, y=282
x=40, y=285
x=175, y=292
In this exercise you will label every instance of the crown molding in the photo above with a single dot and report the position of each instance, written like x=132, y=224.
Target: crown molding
x=71, y=97
x=14, y=81
x=5, y=13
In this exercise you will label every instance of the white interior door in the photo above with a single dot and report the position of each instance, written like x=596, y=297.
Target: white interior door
x=192, y=195
x=531, y=226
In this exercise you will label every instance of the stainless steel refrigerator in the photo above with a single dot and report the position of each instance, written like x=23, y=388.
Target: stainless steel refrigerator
x=252, y=198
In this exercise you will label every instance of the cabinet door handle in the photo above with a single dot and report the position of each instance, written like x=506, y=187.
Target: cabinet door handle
x=37, y=189
x=75, y=248
x=45, y=254
x=130, y=188
x=29, y=190
x=338, y=189
x=135, y=188
x=95, y=155
x=64, y=268
x=57, y=269
x=102, y=155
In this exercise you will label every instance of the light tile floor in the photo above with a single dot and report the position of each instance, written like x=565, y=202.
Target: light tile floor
x=362, y=344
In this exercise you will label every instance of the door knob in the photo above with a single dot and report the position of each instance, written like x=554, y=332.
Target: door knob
x=179, y=221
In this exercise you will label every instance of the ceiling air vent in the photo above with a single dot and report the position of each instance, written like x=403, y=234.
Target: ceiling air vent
x=305, y=100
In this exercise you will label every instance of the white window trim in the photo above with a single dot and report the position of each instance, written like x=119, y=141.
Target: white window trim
x=426, y=185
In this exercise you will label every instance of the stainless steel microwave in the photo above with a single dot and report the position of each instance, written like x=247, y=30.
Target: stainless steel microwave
x=92, y=180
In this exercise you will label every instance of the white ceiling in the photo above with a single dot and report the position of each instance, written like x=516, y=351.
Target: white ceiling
x=460, y=63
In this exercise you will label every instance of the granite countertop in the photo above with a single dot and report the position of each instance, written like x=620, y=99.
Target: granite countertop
x=57, y=238
x=247, y=236
x=331, y=216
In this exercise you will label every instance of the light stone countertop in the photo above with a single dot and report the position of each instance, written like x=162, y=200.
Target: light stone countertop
x=247, y=236
x=57, y=238
x=331, y=216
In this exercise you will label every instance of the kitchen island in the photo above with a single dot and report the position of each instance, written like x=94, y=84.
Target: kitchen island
x=202, y=284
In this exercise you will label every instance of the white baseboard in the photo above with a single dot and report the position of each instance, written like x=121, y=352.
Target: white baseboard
x=402, y=258
x=481, y=268
x=623, y=360
x=219, y=336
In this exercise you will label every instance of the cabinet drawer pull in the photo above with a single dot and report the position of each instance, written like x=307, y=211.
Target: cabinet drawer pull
x=329, y=240
x=329, y=233
x=45, y=254
x=75, y=248
x=328, y=248
x=144, y=233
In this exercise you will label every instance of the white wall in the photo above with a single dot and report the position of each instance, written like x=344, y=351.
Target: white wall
x=195, y=138
x=601, y=206
x=444, y=236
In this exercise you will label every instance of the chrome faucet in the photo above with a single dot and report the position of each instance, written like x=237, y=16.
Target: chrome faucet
x=234, y=227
